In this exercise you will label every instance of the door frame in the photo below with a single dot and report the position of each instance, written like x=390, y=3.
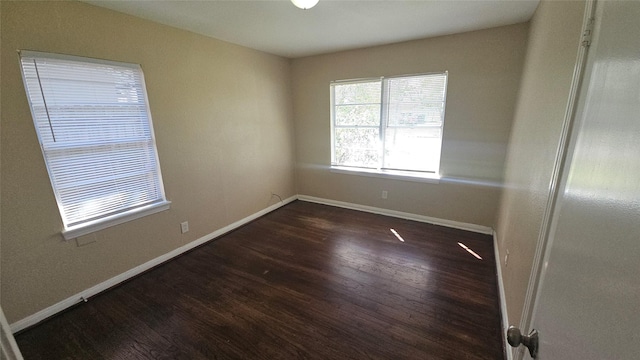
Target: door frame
x=8, y=346
x=562, y=156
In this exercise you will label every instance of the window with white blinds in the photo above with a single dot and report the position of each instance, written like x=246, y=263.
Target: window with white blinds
x=389, y=124
x=96, y=135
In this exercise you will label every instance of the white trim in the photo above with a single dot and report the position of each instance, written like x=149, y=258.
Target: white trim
x=8, y=348
x=58, y=56
x=109, y=221
x=83, y=295
x=502, y=297
x=388, y=174
x=399, y=214
x=372, y=79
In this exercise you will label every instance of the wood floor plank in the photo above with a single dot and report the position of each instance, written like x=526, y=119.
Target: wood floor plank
x=306, y=281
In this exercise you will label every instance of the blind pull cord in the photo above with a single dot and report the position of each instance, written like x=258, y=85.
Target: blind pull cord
x=46, y=108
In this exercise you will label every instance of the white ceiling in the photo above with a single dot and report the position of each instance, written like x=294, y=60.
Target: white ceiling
x=278, y=27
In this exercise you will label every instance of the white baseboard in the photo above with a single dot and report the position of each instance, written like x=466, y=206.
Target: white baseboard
x=81, y=296
x=501, y=294
x=85, y=294
x=399, y=214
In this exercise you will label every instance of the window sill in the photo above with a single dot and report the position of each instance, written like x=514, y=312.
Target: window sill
x=389, y=174
x=93, y=226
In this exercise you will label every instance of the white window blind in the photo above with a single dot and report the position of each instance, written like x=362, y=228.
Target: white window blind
x=390, y=123
x=95, y=130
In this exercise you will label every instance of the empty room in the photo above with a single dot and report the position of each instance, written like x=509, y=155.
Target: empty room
x=304, y=179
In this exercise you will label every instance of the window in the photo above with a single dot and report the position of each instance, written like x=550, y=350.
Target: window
x=95, y=131
x=389, y=125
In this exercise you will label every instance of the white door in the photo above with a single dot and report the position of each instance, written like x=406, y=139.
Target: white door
x=588, y=299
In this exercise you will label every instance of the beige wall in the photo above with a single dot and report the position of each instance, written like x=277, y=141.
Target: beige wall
x=225, y=135
x=223, y=122
x=551, y=55
x=484, y=73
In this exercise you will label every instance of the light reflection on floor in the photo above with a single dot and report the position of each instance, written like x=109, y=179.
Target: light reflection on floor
x=470, y=251
x=397, y=235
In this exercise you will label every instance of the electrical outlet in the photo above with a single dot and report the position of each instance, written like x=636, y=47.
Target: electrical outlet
x=184, y=227
x=384, y=194
x=506, y=259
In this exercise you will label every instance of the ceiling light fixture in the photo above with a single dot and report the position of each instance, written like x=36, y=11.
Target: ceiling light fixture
x=305, y=4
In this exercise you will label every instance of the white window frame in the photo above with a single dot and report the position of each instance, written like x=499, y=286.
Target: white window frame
x=124, y=213
x=381, y=172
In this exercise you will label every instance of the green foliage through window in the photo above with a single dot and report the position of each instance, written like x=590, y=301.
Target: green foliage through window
x=395, y=123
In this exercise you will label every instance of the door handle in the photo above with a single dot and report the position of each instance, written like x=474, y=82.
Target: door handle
x=515, y=339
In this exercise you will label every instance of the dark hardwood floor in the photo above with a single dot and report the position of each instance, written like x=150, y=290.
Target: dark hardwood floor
x=306, y=281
